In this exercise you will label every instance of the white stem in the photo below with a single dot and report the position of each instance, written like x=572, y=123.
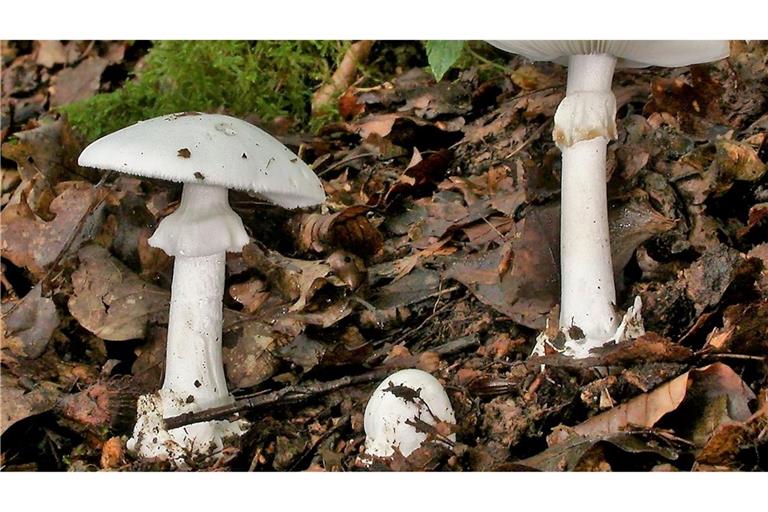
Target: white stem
x=193, y=365
x=198, y=233
x=583, y=125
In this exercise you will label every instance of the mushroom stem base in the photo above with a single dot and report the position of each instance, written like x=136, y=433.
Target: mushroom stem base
x=631, y=327
x=203, y=442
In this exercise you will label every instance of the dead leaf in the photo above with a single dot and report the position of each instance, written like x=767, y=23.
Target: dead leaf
x=29, y=327
x=708, y=278
x=348, y=229
x=78, y=83
x=744, y=330
x=34, y=244
x=18, y=403
x=414, y=287
x=421, y=177
x=578, y=452
x=630, y=224
x=531, y=287
x=49, y=53
x=251, y=294
x=249, y=351
x=111, y=301
x=297, y=280
x=710, y=382
x=50, y=149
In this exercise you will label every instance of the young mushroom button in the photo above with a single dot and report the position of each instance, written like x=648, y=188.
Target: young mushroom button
x=208, y=154
x=395, y=409
x=584, y=123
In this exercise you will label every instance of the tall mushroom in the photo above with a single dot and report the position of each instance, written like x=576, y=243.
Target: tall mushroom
x=584, y=123
x=208, y=154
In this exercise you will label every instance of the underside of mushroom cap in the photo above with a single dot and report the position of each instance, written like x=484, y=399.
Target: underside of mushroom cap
x=630, y=54
x=208, y=149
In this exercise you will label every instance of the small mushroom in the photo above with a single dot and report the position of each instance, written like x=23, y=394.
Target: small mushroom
x=398, y=411
x=199, y=233
x=584, y=123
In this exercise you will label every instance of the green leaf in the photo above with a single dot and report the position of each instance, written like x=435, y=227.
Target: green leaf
x=442, y=55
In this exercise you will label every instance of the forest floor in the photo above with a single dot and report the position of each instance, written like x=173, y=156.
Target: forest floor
x=438, y=249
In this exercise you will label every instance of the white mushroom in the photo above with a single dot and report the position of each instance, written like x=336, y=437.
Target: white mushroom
x=396, y=408
x=209, y=154
x=584, y=123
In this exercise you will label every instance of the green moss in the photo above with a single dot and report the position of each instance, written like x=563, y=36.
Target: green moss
x=267, y=78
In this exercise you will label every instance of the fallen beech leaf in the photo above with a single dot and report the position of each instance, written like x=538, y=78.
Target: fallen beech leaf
x=530, y=288
x=50, y=52
x=576, y=453
x=631, y=223
x=744, y=330
x=78, y=83
x=297, y=280
x=348, y=229
x=111, y=301
x=738, y=161
x=423, y=176
x=249, y=350
x=91, y=407
x=32, y=243
x=29, y=327
x=251, y=294
x=708, y=278
x=16, y=403
x=715, y=380
x=414, y=287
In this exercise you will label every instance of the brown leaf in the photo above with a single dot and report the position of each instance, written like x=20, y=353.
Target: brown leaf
x=33, y=243
x=251, y=294
x=744, y=330
x=578, y=452
x=78, y=83
x=49, y=53
x=91, y=406
x=531, y=287
x=249, y=351
x=715, y=380
x=348, y=229
x=111, y=301
x=708, y=278
x=631, y=223
x=297, y=280
x=418, y=285
x=29, y=327
x=18, y=403
x=422, y=177
x=50, y=149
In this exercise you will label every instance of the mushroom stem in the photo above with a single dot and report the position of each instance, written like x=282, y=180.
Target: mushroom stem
x=198, y=234
x=584, y=123
x=193, y=366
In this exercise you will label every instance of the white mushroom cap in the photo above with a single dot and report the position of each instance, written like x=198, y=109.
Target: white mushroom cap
x=630, y=54
x=388, y=412
x=208, y=149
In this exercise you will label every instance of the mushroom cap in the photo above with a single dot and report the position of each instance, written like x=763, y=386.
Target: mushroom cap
x=208, y=149
x=388, y=412
x=630, y=54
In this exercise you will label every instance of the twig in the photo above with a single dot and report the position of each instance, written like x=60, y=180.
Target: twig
x=535, y=135
x=285, y=396
x=736, y=356
x=482, y=59
x=344, y=161
x=343, y=76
